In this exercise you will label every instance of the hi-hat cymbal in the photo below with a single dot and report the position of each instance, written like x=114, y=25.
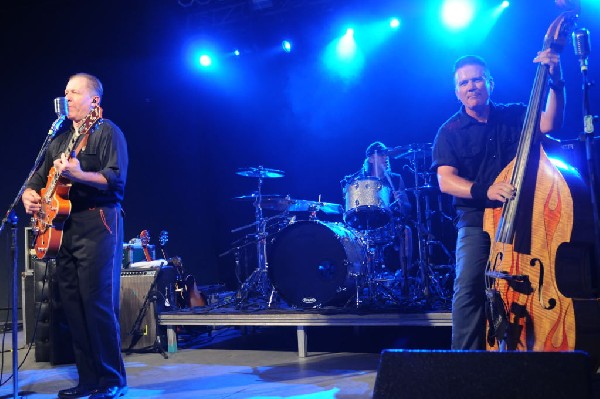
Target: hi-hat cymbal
x=260, y=172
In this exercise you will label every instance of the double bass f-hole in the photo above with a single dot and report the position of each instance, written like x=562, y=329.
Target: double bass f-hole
x=540, y=288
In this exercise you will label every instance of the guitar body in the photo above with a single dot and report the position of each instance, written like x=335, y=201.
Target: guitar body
x=47, y=224
x=50, y=220
x=193, y=296
x=540, y=317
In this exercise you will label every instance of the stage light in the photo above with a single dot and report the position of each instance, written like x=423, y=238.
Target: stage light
x=394, y=23
x=286, y=45
x=505, y=4
x=236, y=52
x=346, y=47
x=205, y=60
x=344, y=58
x=457, y=14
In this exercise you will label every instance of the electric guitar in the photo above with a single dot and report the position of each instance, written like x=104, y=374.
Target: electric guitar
x=145, y=240
x=48, y=223
x=187, y=291
x=176, y=262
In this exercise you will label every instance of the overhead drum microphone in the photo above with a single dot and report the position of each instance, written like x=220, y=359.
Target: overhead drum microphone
x=581, y=45
x=61, y=106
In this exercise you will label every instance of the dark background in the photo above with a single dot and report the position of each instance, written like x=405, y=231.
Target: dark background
x=189, y=132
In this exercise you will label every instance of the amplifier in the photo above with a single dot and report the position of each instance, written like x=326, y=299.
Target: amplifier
x=135, y=287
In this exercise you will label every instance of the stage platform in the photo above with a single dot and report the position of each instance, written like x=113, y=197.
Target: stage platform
x=299, y=318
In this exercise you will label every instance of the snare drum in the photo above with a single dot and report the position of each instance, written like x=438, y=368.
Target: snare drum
x=367, y=203
x=315, y=263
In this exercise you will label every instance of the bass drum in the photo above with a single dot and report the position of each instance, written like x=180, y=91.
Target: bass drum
x=315, y=263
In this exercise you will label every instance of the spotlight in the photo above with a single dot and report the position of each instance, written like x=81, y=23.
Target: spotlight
x=505, y=4
x=287, y=46
x=457, y=14
x=346, y=47
x=394, y=23
x=205, y=60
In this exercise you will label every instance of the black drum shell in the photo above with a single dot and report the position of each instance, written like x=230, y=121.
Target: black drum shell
x=315, y=263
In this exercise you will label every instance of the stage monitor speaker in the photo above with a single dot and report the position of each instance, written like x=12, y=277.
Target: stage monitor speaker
x=480, y=374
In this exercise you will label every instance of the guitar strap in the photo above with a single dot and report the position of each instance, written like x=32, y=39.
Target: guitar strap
x=82, y=143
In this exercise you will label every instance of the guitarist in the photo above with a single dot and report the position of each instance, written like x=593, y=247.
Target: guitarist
x=470, y=150
x=89, y=258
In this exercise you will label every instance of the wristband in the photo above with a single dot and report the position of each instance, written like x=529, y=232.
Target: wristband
x=479, y=191
x=556, y=85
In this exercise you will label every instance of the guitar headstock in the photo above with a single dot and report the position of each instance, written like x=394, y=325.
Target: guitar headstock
x=560, y=30
x=145, y=238
x=94, y=116
x=163, y=237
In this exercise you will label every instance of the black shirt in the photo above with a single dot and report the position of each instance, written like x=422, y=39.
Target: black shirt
x=479, y=151
x=105, y=153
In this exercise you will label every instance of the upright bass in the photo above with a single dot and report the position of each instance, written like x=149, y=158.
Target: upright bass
x=538, y=243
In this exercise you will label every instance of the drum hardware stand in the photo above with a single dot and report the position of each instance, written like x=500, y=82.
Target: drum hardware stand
x=375, y=288
x=423, y=231
x=258, y=281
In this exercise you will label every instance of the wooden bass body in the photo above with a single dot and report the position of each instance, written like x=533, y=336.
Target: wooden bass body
x=549, y=305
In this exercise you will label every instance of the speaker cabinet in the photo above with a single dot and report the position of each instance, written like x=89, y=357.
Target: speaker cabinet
x=28, y=308
x=144, y=293
x=480, y=374
x=53, y=341
x=135, y=288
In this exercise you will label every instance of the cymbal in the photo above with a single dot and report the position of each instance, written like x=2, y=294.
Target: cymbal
x=310, y=206
x=417, y=150
x=426, y=189
x=276, y=202
x=260, y=172
x=254, y=196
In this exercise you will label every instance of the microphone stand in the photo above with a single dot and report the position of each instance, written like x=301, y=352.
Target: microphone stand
x=11, y=216
x=588, y=125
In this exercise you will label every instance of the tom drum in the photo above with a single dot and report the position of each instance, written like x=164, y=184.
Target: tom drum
x=367, y=203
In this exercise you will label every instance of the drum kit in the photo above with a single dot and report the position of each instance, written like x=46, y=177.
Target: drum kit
x=309, y=262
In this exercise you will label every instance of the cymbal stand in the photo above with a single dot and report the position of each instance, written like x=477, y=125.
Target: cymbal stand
x=426, y=240
x=421, y=232
x=258, y=281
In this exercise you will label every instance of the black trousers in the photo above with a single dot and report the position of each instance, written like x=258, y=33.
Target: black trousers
x=88, y=272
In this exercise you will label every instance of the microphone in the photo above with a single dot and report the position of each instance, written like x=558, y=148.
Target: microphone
x=61, y=106
x=581, y=45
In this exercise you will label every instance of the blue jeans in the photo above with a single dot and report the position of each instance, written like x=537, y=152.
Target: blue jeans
x=468, y=302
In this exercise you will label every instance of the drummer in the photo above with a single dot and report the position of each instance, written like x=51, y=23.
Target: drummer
x=377, y=164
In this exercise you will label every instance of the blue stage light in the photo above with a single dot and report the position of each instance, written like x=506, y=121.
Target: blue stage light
x=457, y=14
x=286, y=45
x=205, y=60
x=394, y=23
x=346, y=47
x=505, y=4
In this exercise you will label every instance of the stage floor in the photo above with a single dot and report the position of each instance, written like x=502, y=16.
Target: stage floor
x=241, y=362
